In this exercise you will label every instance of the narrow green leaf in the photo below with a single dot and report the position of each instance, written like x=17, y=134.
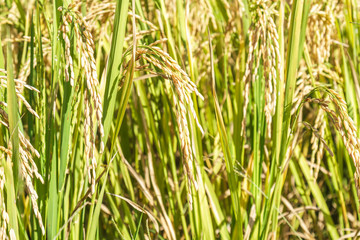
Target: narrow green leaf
x=113, y=68
x=13, y=113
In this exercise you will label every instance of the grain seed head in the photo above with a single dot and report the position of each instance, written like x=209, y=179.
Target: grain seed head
x=28, y=166
x=344, y=125
x=183, y=89
x=263, y=47
x=321, y=27
x=72, y=20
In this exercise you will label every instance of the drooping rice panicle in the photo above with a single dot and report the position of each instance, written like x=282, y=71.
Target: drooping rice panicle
x=20, y=85
x=344, y=125
x=321, y=27
x=317, y=147
x=183, y=88
x=263, y=46
x=28, y=166
x=85, y=50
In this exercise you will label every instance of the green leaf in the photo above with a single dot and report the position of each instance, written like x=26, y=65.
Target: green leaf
x=113, y=67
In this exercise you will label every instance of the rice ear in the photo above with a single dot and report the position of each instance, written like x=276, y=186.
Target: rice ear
x=343, y=124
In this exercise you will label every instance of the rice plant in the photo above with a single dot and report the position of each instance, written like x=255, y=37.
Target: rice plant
x=173, y=119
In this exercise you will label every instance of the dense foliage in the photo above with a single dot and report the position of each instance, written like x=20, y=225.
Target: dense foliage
x=173, y=119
